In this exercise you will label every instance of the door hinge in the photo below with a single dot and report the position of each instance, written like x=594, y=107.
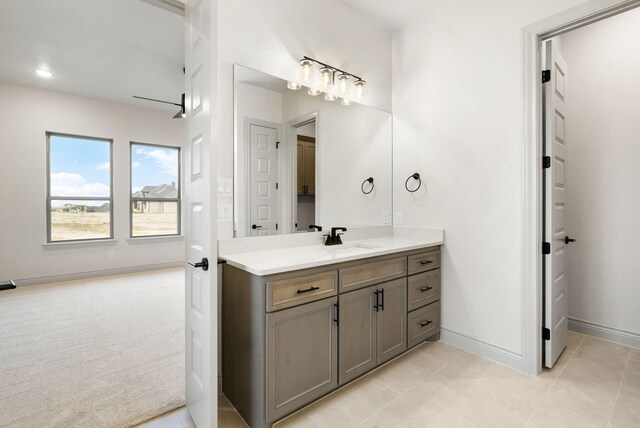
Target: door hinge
x=546, y=333
x=276, y=226
x=276, y=186
x=546, y=162
x=546, y=248
x=277, y=144
x=546, y=76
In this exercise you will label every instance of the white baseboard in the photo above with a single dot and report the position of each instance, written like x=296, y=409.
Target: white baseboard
x=482, y=349
x=95, y=273
x=607, y=333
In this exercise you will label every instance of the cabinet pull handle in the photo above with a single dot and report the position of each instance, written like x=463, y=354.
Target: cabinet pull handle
x=308, y=290
x=337, y=318
x=382, y=304
x=424, y=323
x=426, y=262
x=377, y=306
x=423, y=289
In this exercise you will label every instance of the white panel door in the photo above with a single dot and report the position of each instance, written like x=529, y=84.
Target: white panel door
x=200, y=226
x=556, y=284
x=263, y=176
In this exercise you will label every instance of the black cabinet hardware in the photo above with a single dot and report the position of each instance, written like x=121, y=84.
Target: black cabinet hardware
x=204, y=264
x=426, y=262
x=423, y=289
x=255, y=226
x=337, y=318
x=377, y=305
x=306, y=290
x=425, y=323
x=382, y=295
x=568, y=240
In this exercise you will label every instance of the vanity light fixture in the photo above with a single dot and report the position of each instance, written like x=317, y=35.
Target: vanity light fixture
x=293, y=85
x=45, y=74
x=328, y=76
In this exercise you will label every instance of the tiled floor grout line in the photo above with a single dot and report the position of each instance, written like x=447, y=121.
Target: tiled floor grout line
x=402, y=393
x=613, y=407
x=554, y=381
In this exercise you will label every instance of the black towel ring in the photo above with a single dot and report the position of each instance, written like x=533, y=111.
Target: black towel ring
x=415, y=176
x=370, y=181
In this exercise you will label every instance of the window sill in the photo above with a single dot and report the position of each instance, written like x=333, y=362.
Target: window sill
x=147, y=239
x=80, y=243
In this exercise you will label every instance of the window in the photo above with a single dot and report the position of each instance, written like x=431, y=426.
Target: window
x=155, y=190
x=79, y=191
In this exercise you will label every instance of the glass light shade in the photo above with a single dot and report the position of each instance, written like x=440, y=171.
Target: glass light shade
x=306, y=71
x=293, y=85
x=326, y=79
x=361, y=88
x=330, y=97
x=343, y=84
x=346, y=102
x=314, y=92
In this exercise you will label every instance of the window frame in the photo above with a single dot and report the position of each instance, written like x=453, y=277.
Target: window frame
x=50, y=198
x=178, y=200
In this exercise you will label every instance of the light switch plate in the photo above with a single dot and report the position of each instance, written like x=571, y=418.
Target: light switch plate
x=225, y=212
x=385, y=217
x=225, y=187
x=399, y=218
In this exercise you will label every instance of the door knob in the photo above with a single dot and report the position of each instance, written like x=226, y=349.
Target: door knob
x=568, y=240
x=255, y=226
x=204, y=264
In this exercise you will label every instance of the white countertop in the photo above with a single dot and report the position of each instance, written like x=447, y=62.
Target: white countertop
x=268, y=262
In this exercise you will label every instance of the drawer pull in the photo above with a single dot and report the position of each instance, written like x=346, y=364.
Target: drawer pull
x=424, y=323
x=423, y=289
x=306, y=290
x=425, y=262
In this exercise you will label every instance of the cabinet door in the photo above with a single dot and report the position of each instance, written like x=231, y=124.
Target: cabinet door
x=357, y=333
x=301, y=356
x=310, y=167
x=391, y=319
x=300, y=166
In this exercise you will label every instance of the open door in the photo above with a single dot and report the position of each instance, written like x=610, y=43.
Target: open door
x=200, y=221
x=555, y=275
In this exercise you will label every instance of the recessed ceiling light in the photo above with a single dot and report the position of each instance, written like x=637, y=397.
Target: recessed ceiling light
x=46, y=74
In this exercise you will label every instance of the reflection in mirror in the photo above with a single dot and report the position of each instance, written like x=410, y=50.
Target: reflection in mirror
x=301, y=160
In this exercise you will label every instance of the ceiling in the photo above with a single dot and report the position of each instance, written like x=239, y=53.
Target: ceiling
x=109, y=50
x=391, y=14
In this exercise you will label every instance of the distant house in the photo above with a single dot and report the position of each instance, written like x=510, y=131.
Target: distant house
x=163, y=191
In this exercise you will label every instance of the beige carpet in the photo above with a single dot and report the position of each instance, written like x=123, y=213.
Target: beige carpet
x=105, y=352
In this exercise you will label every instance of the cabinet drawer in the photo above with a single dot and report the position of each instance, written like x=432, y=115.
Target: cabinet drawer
x=424, y=261
x=423, y=323
x=373, y=272
x=424, y=288
x=288, y=292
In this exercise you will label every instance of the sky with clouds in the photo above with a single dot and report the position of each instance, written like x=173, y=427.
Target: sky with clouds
x=80, y=167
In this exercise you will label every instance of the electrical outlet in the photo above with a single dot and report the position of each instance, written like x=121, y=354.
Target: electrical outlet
x=385, y=217
x=399, y=218
x=110, y=255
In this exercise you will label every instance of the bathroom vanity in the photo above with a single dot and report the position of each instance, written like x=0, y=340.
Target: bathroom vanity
x=300, y=322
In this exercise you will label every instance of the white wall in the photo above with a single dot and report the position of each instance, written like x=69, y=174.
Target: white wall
x=272, y=36
x=27, y=114
x=458, y=120
x=603, y=202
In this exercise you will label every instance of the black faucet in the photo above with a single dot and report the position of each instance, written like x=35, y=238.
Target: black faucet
x=317, y=228
x=334, y=238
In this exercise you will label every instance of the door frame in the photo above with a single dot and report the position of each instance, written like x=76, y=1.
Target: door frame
x=535, y=34
x=290, y=206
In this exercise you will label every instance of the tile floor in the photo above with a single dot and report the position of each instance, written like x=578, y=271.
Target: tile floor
x=594, y=384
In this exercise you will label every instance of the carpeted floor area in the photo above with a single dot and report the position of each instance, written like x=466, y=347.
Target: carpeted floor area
x=104, y=352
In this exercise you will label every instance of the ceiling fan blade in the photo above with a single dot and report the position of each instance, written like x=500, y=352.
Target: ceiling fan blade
x=157, y=101
x=179, y=115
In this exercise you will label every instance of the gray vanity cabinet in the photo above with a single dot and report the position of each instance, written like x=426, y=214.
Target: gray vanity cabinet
x=391, y=327
x=357, y=333
x=301, y=356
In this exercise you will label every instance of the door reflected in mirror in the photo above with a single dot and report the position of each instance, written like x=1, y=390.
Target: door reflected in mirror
x=300, y=160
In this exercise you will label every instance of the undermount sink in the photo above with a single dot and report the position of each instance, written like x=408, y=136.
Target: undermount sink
x=345, y=249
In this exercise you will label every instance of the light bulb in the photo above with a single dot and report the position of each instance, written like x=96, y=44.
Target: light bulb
x=343, y=81
x=326, y=79
x=346, y=102
x=293, y=85
x=306, y=72
x=314, y=92
x=330, y=97
x=360, y=85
